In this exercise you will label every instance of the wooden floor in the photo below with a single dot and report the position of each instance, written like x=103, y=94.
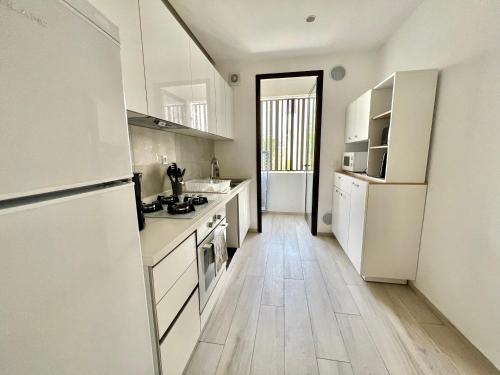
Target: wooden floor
x=295, y=305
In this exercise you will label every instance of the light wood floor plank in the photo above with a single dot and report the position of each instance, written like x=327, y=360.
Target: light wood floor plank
x=328, y=367
x=464, y=355
x=338, y=292
x=394, y=321
x=205, y=359
x=415, y=305
x=363, y=354
x=256, y=265
x=300, y=356
x=269, y=351
x=218, y=324
x=293, y=267
x=272, y=293
x=327, y=338
x=237, y=354
x=347, y=270
x=424, y=353
x=388, y=344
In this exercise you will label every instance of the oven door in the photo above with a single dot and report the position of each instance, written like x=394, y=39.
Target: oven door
x=212, y=256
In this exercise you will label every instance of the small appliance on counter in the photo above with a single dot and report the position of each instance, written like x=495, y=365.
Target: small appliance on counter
x=214, y=169
x=138, y=200
x=354, y=161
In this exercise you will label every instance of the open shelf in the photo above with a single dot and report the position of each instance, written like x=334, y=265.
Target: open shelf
x=387, y=83
x=377, y=147
x=384, y=115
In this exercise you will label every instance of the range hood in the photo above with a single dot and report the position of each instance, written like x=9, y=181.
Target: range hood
x=138, y=119
x=151, y=122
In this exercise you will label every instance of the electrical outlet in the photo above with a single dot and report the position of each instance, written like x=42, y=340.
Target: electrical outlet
x=164, y=159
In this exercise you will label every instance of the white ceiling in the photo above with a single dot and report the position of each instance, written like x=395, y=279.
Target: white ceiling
x=259, y=29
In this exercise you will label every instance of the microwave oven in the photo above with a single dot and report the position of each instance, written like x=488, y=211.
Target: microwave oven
x=354, y=161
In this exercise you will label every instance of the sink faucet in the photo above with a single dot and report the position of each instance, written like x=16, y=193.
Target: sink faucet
x=214, y=169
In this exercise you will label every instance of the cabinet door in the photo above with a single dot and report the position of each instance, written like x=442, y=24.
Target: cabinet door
x=203, y=89
x=125, y=15
x=229, y=111
x=357, y=210
x=166, y=61
x=220, y=104
x=362, y=117
x=243, y=213
x=335, y=212
x=176, y=348
x=350, y=122
x=344, y=203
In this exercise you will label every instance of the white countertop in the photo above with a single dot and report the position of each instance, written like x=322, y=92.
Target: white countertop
x=161, y=236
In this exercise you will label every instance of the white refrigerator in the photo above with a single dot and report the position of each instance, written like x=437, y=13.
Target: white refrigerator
x=72, y=293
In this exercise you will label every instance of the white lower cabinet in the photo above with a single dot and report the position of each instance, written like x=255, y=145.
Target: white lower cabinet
x=357, y=209
x=379, y=226
x=340, y=219
x=238, y=217
x=174, y=308
x=180, y=341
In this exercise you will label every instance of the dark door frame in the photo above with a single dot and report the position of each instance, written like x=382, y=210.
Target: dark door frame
x=317, y=140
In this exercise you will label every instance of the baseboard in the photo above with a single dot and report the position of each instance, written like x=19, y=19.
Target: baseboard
x=385, y=280
x=283, y=213
x=325, y=234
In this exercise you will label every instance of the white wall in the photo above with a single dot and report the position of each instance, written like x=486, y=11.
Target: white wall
x=237, y=158
x=286, y=192
x=287, y=86
x=459, y=266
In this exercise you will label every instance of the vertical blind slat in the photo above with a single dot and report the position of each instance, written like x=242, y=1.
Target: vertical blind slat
x=287, y=130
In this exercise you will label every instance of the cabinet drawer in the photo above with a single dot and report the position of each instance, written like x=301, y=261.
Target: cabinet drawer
x=209, y=224
x=171, y=303
x=343, y=182
x=173, y=266
x=179, y=343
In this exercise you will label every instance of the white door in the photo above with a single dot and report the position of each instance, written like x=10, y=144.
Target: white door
x=344, y=203
x=229, y=111
x=63, y=114
x=125, y=15
x=73, y=299
x=203, y=87
x=362, y=117
x=350, y=122
x=166, y=62
x=220, y=104
x=335, y=212
x=357, y=212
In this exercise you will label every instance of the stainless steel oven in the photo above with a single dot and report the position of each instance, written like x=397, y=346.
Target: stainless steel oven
x=212, y=257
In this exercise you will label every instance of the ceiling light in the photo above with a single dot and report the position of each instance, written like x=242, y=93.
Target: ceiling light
x=311, y=18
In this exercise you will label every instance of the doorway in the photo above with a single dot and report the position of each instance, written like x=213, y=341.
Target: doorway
x=288, y=129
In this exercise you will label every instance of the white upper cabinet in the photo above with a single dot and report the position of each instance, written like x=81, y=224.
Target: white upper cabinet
x=167, y=63
x=203, y=91
x=220, y=104
x=229, y=112
x=358, y=119
x=125, y=15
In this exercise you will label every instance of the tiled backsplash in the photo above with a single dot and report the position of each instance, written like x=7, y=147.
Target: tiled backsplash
x=148, y=146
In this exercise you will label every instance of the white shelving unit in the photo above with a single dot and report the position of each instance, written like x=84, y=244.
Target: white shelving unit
x=405, y=103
